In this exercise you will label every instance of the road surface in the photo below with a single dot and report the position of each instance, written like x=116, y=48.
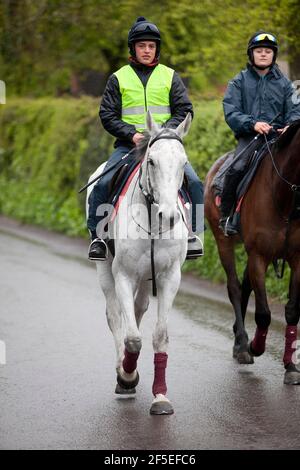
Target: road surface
x=57, y=386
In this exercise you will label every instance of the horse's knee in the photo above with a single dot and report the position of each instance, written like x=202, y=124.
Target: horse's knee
x=133, y=344
x=160, y=339
x=234, y=291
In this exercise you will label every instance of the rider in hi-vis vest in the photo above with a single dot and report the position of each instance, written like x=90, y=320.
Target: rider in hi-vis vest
x=137, y=99
x=144, y=84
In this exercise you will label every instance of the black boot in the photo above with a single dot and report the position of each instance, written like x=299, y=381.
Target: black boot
x=98, y=250
x=227, y=223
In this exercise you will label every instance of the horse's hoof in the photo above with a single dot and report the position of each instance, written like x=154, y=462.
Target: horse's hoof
x=128, y=385
x=292, y=375
x=123, y=391
x=242, y=357
x=161, y=407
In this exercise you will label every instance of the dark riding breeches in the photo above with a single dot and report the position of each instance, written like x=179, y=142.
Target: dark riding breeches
x=235, y=173
x=100, y=193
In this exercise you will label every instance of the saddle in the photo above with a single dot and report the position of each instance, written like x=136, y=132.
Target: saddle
x=254, y=160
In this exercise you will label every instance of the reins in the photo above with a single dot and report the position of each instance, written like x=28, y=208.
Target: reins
x=148, y=194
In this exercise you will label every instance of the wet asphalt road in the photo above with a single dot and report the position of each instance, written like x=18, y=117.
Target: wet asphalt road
x=57, y=387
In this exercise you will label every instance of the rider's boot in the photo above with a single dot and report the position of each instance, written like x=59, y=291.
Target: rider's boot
x=229, y=223
x=98, y=250
x=228, y=226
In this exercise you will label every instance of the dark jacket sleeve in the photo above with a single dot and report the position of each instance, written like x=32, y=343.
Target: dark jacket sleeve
x=179, y=103
x=236, y=119
x=111, y=112
x=292, y=104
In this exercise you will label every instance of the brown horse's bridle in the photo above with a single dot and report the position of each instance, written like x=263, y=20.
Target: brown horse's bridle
x=294, y=187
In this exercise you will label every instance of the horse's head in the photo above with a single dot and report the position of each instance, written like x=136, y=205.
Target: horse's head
x=163, y=166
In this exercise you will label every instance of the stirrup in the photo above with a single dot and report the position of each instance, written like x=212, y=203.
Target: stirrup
x=227, y=227
x=98, y=250
x=197, y=252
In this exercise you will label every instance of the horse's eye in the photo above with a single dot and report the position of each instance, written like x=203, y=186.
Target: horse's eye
x=151, y=162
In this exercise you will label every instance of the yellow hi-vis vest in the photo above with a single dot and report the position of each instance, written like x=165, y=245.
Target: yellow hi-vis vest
x=137, y=99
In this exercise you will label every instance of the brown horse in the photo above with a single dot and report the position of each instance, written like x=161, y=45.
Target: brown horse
x=270, y=231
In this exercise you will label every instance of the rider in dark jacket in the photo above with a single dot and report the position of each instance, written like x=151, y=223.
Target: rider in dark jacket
x=117, y=119
x=257, y=96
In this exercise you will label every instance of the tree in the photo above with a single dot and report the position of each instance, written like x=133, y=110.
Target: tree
x=48, y=46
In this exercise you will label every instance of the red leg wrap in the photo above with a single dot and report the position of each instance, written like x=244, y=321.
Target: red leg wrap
x=129, y=361
x=290, y=337
x=159, y=383
x=259, y=341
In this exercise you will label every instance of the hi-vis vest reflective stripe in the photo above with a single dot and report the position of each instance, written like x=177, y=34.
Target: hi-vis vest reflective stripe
x=137, y=99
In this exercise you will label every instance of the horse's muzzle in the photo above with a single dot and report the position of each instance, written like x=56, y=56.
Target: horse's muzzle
x=167, y=217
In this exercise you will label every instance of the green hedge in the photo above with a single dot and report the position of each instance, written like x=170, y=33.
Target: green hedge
x=48, y=147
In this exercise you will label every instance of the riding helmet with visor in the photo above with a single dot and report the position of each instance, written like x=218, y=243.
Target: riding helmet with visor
x=262, y=39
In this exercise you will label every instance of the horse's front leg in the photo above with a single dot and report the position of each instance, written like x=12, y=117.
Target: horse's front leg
x=167, y=287
x=236, y=296
x=292, y=314
x=257, y=267
x=127, y=375
x=113, y=311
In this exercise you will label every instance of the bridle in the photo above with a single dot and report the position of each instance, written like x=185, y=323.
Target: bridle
x=149, y=197
x=293, y=187
x=148, y=192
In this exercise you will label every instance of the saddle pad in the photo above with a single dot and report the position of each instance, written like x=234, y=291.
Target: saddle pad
x=122, y=189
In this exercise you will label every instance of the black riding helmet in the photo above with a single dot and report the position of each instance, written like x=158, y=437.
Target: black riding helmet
x=143, y=29
x=262, y=39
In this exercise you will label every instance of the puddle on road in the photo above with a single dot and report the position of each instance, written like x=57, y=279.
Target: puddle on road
x=220, y=317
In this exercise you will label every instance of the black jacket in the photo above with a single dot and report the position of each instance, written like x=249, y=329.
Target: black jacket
x=251, y=97
x=111, y=106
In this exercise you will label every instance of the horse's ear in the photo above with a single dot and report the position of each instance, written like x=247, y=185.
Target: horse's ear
x=151, y=124
x=184, y=127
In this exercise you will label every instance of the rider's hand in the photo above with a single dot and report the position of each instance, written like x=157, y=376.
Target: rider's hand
x=136, y=139
x=262, y=127
x=281, y=131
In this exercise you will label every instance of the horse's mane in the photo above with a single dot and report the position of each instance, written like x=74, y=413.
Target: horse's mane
x=285, y=138
x=142, y=146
